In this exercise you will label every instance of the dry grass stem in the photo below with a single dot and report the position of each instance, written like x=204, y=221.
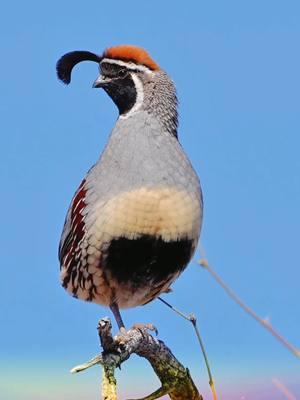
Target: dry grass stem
x=283, y=389
x=192, y=318
x=264, y=322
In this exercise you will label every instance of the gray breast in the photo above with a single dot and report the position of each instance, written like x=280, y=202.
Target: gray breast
x=140, y=153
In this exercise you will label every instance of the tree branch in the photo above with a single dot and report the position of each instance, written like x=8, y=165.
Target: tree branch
x=175, y=378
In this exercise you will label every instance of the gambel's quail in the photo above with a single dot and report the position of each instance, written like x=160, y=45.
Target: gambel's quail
x=134, y=222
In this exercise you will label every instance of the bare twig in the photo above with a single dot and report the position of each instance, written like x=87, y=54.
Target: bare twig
x=283, y=389
x=264, y=322
x=192, y=318
x=94, y=361
x=175, y=379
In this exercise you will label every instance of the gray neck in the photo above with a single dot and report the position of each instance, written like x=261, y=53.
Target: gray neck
x=160, y=100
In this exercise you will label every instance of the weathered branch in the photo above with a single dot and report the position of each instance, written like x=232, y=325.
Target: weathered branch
x=175, y=378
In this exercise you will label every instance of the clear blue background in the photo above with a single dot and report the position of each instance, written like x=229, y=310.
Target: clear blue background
x=236, y=65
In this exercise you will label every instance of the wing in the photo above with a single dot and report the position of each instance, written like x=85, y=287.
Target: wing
x=72, y=235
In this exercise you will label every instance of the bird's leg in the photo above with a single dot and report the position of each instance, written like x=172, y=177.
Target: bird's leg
x=115, y=310
x=192, y=318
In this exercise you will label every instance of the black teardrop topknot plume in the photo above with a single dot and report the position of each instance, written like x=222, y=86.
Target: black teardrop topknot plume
x=67, y=62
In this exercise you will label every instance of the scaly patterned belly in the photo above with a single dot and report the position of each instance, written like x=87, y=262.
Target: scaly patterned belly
x=135, y=245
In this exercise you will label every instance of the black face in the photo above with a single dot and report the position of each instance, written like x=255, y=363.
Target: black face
x=120, y=86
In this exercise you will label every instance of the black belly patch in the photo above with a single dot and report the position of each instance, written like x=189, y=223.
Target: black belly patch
x=147, y=258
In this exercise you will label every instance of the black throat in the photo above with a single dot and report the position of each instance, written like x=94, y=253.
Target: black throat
x=123, y=93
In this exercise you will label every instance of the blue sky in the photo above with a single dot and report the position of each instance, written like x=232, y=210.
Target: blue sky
x=236, y=67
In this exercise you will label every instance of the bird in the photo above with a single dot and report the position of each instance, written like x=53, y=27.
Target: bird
x=134, y=222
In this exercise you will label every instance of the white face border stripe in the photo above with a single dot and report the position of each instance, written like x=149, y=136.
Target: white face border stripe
x=129, y=65
x=139, y=96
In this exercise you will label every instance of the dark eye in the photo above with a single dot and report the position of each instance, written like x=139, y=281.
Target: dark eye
x=122, y=73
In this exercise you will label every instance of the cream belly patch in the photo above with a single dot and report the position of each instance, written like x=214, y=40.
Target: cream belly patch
x=166, y=212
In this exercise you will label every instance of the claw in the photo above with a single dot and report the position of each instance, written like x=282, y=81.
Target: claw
x=149, y=327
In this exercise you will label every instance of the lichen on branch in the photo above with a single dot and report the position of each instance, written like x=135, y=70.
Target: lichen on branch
x=175, y=379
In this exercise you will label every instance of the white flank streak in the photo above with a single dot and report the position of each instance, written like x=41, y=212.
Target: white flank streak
x=77, y=205
x=139, y=96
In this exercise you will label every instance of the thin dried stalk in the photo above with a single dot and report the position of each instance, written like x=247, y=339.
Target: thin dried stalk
x=283, y=389
x=264, y=322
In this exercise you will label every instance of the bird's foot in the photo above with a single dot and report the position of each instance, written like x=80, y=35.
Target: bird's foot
x=149, y=327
